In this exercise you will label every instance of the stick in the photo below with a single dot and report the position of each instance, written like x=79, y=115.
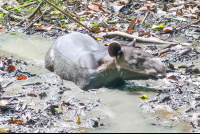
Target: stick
x=138, y=39
x=36, y=10
x=145, y=17
x=187, y=25
x=35, y=20
x=67, y=14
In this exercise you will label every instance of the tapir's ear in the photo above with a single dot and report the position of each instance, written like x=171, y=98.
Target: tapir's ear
x=114, y=49
x=132, y=43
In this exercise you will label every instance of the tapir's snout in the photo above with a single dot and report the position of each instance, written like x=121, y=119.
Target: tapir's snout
x=153, y=66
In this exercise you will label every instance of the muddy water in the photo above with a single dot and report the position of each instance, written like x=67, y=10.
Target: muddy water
x=120, y=108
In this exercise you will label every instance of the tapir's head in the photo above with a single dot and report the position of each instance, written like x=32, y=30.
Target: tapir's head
x=133, y=59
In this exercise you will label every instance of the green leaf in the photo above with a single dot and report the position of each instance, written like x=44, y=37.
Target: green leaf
x=81, y=19
x=95, y=24
x=154, y=27
x=58, y=110
x=60, y=17
x=1, y=14
x=63, y=25
x=19, y=9
x=129, y=18
x=8, y=7
x=54, y=3
x=13, y=34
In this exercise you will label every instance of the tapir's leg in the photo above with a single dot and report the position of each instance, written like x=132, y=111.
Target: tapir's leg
x=49, y=60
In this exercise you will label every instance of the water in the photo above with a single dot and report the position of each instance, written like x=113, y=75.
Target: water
x=119, y=107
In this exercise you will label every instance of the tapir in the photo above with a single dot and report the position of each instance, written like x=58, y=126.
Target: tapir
x=79, y=58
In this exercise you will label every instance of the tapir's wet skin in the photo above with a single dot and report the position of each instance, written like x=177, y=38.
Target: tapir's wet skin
x=78, y=57
x=120, y=108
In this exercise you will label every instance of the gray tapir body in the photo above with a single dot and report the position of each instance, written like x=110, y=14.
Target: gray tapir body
x=79, y=58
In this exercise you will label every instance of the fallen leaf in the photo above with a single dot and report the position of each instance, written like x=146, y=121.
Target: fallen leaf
x=15, y=122
x=132, y=24
x=190, y=15
x=112, y=29
x=21, y=77
x=49, y=27
x=105, y=30
x=93, y=7
x=158, y=27
x=172, y=77
x=95, y=30
x=130, y=31
x=179, y=12
x=10, y=68
x=98, y=38
x=3, y=103
x=37, y=24
x=119, y=25
x=3, y=30
x=13, y=34
x=2, y=130
x=175, y=8
x=79, y=120
x=32, y=95
x=143, y=96
x=180, y=19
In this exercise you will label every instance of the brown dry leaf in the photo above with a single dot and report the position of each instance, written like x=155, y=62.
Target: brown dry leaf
x=3, y=103
x=190, y=7
x=112, y=29
x=172, y=77
x=146, y=5
x=190, y=15
x=119, y=25
x=175, y=8
x=179, y=12
x=79, y=121
x=49, y=27
x=141, y=9
x=105, y=30
x=124, y=2
x=15, y=122
x=165, y=36
x=95, y=30
x=132, y=24
x=130, y=31
x=32, y=95
x=3, y=130
x=94, y=7
x=3, y=30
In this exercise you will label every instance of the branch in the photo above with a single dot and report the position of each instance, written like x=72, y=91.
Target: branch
x=138, y=39
x=68, y=15
x=35, y=20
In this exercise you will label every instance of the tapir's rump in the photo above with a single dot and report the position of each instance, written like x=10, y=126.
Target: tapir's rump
x=79, y=58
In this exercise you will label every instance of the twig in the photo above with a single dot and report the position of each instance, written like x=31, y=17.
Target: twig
x=35, y=20
x=67, y=15
x=187, y=25
x=138, y=39
x=36, y=10
x=145, y=17
x=28, y=4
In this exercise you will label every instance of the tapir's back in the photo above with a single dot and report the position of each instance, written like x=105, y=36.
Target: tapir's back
x=74, y=45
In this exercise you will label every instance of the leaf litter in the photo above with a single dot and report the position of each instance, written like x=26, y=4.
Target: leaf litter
x=148, y=19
